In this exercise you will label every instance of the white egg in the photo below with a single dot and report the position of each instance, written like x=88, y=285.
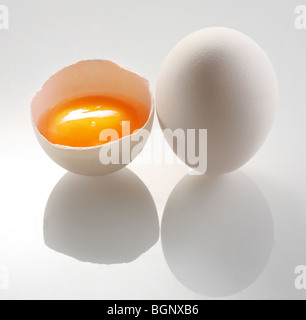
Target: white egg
x=94, y=77
x=220, y=80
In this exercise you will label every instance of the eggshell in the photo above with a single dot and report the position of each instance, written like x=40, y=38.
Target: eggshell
x=220, y=80
x=91, y=77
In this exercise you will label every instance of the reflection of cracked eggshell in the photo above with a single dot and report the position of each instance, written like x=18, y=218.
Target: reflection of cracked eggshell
x=220, y=80
x=92, y=77
x=107, y=220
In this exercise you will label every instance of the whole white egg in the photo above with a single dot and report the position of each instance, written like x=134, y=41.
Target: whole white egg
x=220, y=80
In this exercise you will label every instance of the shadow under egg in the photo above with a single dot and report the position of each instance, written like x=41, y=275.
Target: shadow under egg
x=104, y=220
x=217, y=233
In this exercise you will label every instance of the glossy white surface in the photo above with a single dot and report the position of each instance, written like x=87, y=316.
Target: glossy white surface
x=46, y=36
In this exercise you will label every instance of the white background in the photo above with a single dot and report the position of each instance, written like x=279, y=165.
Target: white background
x=45, y=36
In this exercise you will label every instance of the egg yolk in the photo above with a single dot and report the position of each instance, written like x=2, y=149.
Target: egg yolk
x=79, y=122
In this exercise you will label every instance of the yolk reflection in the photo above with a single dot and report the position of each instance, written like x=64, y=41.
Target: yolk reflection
x=79, y=122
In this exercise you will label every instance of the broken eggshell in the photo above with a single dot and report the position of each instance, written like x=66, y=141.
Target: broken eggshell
x=86, y=78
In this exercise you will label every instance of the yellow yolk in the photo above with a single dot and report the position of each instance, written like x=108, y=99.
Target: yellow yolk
x=79, y=122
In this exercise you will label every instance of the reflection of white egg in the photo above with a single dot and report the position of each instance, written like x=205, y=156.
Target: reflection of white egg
x=224, y=243
x=89, y=78
x=220, y=80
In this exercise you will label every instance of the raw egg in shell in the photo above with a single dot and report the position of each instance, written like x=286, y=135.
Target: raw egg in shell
x=91, y=109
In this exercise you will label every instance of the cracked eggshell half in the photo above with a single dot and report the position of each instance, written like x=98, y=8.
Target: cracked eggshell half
x=220, y=80
x=87, y=78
